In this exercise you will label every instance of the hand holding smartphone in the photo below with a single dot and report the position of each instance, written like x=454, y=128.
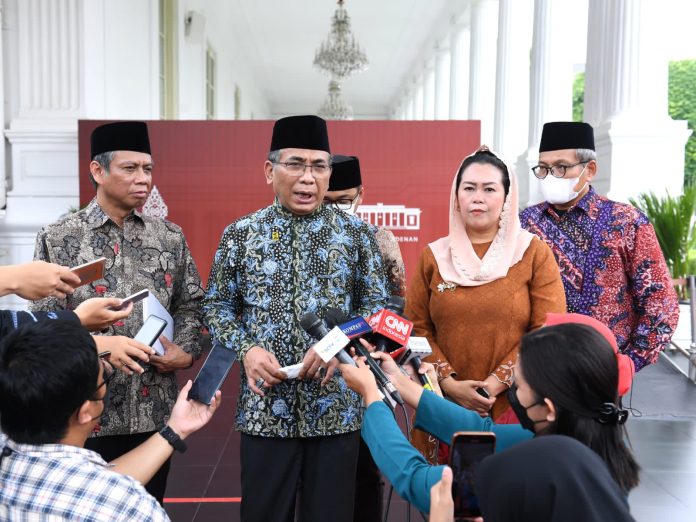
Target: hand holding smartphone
x=467, y=451
x=150, y=331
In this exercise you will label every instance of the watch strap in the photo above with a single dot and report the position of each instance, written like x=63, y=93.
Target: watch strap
x=173, y=438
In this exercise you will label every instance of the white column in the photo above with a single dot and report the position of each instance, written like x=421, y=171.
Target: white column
x=484, y=28
x=429, y=91
x=459, y=72
x=418, y=99
x=408, y=104
x=551, y=85
x=3, y=178
x=626, y=100
x=515, y=23
x=442, y=82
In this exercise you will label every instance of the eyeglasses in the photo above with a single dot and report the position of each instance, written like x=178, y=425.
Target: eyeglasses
x=295, y=168
x=344, y=203
x=107, y=373
x=557, y=171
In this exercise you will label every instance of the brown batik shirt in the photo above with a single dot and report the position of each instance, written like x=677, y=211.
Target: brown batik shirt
x=147, y=253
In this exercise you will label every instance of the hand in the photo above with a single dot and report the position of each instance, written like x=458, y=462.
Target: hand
x=389, y=367
x=40, y=279
x=311, y=365
x=174, y=357
x=361, y=380
x=96, y=313
x=262, y=364
x=465, y=394
x=441, y=501
x=190, y=416
x=431, y=372
x=124, y=351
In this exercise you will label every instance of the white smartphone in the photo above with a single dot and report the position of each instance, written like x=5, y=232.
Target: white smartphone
x=150, y=331
x=134, y=298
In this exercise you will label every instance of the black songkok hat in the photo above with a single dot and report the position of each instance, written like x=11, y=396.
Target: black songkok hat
x=300, y=132
x=560, y=135
x=345, y=173
x=122, y=135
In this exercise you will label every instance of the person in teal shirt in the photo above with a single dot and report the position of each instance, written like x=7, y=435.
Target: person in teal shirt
x=566, y=383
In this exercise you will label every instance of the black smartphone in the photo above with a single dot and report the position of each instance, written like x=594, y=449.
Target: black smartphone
x=150, y=331
x=483, y=392
x=467, y=451
x=212, y=374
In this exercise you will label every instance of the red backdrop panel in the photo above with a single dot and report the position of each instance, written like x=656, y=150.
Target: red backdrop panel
x=210, y=173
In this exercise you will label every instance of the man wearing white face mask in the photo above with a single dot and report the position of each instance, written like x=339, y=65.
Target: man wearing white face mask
x=346, y=193
x=610, y=261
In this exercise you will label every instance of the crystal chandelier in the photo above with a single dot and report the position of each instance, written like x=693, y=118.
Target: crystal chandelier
x=334, y=107
x=340, y=55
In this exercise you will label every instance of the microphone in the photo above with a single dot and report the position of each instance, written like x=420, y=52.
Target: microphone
x=392, y=330
x=358, y=327
x=314, y=326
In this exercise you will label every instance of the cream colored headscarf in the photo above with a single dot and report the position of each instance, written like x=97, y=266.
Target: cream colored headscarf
x=455, y=256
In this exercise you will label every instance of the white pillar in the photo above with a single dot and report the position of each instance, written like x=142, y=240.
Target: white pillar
x=515, y=23
x=442, y=82
x=626, y=100
x=459, y=72
x=418, y=99
x=429, y=91
x=408, y=104
x=551, y=86
x=484, y=28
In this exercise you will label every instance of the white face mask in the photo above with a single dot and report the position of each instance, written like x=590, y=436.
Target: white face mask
x=351, y=210
x=558, y=191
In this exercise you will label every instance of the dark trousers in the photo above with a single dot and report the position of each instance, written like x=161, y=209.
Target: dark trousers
x=113, y=446
x=368, y=488
x=318, y=471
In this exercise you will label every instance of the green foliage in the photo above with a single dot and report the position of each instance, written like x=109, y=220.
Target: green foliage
x=682, y=106
x=674, y=220
x=579, y=96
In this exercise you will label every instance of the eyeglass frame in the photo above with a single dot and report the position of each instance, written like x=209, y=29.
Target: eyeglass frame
x=552, y=169
x=312, y=168
x=347, y=202
x=108, y=374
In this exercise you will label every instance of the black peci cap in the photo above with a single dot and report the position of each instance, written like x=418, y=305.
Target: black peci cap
x=300, y=132
x=345, y=173
x=560, y=135
x=121, y=135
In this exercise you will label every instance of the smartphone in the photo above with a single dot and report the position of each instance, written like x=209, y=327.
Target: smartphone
x=150, y=331
x=91, y=271
x=134, y=298
x=467, y=451
x=483, y=392
x=212, y=374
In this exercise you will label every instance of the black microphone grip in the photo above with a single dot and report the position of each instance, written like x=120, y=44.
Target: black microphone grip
x=314, y=326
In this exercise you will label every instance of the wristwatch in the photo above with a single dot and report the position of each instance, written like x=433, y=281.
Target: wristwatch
x=172, y=438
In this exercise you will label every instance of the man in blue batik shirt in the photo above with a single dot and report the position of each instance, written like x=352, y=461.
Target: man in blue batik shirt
x=272, y=267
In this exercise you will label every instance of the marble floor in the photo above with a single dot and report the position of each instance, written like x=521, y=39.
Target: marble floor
x=204, y=482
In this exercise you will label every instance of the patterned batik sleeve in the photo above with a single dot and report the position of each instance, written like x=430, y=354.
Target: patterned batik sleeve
x=42, y=252
x=222, y=305
x=393, y=262
x=186, y=303
x=370, y=293
x=654, y=299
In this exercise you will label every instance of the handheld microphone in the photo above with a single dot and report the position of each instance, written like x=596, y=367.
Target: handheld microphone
x=315, y=327
x=359, y=326
x=391, y=329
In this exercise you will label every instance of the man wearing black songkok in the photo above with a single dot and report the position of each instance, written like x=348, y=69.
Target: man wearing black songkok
x=271, y=267
x=141, y=252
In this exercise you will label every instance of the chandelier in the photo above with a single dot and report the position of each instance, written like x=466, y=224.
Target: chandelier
x=339, y=56
x=334, y=107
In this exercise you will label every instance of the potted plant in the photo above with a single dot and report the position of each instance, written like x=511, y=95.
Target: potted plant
x=674, y=220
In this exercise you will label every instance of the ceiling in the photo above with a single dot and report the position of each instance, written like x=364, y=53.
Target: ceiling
x=281, y=36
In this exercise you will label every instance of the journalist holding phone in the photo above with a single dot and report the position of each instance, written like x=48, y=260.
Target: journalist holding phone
x=567, y=382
